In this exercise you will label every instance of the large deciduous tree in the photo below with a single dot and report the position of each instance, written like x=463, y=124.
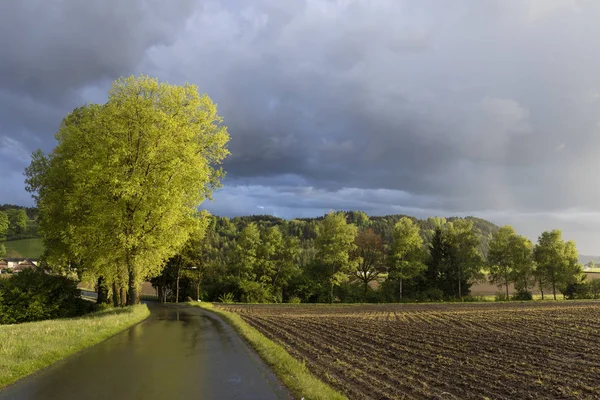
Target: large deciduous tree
x=557, y=263
x=406, y=255
x=510, y=260
x=120, y=192
x=334, y=243
x=370, y=257
x=463, y=259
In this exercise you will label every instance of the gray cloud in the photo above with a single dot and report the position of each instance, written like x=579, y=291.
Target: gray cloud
x=486, y=108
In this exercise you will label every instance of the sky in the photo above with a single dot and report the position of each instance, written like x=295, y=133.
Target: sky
x=488, y=108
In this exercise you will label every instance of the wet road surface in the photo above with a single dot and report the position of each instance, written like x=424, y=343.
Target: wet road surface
x=179, y=352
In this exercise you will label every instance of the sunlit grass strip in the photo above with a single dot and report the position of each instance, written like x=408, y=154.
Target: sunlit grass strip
x=26, y=348
x=293, y=373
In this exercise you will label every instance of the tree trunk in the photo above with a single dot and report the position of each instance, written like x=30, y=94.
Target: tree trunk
x=115, y=295
x=331, y=284
x=123, y=296
x=400, y=290
x=177, y=287
x=507, y=289
x=198, y=291
x=331, y=291
x=554, y=289
x=134, y=295
x=365, y=290
x=102, y=291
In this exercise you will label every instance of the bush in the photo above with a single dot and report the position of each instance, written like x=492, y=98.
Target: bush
x=522, y=296
x=32, y=295
x=226, y=298
x=434, y=294
x=594, y=288
x=294, y=300
x=501, y=296
x=474, y=299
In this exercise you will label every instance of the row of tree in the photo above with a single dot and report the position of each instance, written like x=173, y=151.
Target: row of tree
x=265, y=259
x=119, y=194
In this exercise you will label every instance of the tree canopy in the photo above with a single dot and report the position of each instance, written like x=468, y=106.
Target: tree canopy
x=118, y=196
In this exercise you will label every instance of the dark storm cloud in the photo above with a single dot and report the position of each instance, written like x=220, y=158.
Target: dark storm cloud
x=421, y=107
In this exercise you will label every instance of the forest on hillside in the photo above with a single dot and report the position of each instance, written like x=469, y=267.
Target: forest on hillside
x=262, y=258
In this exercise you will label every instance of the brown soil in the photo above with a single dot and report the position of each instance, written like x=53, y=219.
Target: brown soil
x=442, y=351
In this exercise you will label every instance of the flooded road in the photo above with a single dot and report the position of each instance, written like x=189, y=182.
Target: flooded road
x=179, y=352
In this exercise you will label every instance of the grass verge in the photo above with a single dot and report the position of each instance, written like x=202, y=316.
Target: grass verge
x=293, y=373
x=28, y=347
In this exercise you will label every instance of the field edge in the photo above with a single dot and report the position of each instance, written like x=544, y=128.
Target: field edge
x=292, y=372
x=138, y=314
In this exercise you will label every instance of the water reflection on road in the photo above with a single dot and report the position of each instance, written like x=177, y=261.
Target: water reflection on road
x=178, y=353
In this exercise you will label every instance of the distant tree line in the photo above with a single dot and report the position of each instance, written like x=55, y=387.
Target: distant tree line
x=16, y=223
x=351, y=257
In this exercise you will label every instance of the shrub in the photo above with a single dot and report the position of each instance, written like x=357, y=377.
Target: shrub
x=474, y=299
x=435, y=294
x=294, y=300
x=33, y=295
x=594, y=288
x=522, y=295
x=226, y=298
x=501, y=296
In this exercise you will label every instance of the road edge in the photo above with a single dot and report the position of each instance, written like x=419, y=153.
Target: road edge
x=292, y=372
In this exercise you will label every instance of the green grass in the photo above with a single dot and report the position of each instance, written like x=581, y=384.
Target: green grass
x=26, y=348
x=30, y=248
x=292, y=372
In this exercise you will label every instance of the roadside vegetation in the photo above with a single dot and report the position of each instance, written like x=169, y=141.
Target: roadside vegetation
x=28, y=347
x=293, y=373
x=34, y=295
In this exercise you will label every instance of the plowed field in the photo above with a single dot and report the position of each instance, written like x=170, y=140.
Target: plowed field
x=446, y=351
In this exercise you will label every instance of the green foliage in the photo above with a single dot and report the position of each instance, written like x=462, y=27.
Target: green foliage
x=334, y=243
x=226, y=298
x=510, y=260
x=32, y=295
x=501, y=296
x=557, y=262
x=463, y=258
x=370, y=257
x=119, y=194
x=522, y=295
x=4, y=224
x=267, y=259
x=406, y=255
x=17, y=218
